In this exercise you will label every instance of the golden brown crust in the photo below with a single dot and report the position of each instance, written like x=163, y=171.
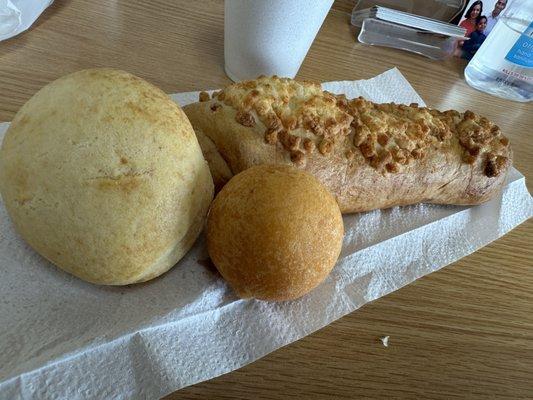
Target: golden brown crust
x=407, y=154
x=203, y=96
x=101, y=173
x=274, y=232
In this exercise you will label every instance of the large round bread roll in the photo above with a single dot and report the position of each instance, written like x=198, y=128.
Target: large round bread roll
x=274, y=232
x=102, y=174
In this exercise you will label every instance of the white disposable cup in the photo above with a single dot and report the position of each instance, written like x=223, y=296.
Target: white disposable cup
x=269, y=37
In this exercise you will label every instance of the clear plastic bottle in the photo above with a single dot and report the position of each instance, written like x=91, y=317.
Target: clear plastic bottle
x=503, y=65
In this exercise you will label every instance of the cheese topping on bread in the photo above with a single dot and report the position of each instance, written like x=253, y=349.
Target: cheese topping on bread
x=301, y=118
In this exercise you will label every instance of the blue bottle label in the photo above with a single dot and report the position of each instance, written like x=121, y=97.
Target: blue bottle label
x=522, y=51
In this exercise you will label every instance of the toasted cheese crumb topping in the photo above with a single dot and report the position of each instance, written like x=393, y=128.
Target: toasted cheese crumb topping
x=302, y=118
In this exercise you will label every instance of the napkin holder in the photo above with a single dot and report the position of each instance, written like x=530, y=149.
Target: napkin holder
x=382, y=33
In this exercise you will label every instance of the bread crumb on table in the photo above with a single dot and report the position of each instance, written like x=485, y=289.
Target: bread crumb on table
x=385, y=340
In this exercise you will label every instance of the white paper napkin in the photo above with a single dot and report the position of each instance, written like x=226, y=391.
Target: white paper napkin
x=18, y=15
x=64, y=338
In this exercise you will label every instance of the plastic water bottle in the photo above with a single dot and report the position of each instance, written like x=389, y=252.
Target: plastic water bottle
x=503, y=65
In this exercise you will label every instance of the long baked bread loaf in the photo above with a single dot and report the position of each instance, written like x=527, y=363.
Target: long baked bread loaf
x=368, y=155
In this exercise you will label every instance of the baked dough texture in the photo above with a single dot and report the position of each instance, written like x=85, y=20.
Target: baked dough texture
x=101, y=173
x=274, y=232
x=368, y=155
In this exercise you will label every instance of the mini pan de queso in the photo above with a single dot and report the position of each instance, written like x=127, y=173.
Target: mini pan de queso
x=274, y=232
